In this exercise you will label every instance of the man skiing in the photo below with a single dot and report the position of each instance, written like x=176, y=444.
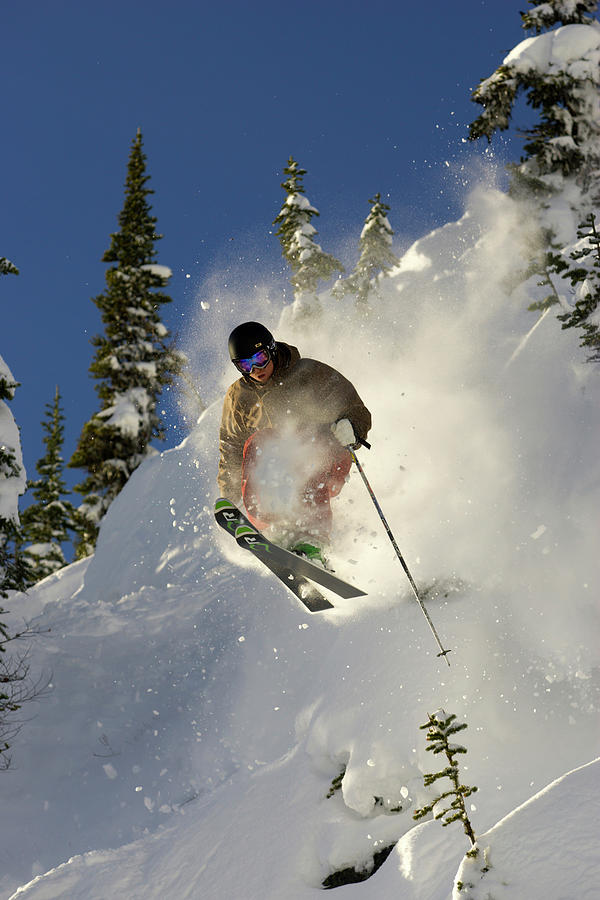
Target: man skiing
x=285, y=427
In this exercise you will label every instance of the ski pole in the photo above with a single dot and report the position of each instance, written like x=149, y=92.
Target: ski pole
x=442, y=652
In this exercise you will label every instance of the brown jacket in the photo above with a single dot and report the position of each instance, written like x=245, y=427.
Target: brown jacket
x=306, y=392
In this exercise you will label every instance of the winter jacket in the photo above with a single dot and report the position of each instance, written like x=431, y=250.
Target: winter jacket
x=307, y=393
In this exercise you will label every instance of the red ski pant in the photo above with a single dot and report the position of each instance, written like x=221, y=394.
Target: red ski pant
x=320, y=476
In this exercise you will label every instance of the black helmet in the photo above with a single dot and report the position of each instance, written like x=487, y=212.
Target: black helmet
x=248, y=338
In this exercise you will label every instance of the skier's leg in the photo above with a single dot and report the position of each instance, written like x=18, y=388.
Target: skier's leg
x=314, y=522
x=321, y=488
x=339, y=470
x=253, y=447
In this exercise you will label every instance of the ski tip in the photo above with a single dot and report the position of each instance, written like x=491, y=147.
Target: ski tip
x=223, y=503
x=317, y=604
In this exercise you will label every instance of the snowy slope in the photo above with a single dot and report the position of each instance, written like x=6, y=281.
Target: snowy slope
x=525, y=854
x=198, y=714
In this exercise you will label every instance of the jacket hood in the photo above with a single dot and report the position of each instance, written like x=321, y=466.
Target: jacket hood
x=287, y=356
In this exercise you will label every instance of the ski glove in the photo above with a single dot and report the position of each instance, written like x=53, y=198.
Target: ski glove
x=344, y=433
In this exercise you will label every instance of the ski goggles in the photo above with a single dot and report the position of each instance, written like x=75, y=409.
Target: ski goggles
x=259, y=360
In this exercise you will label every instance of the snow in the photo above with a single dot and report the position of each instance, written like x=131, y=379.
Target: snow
x=526, y=853
x=5, y=373
x=42, y=549
x=413, y=260
x=574, y=49
x=198, y=715
x=163, y=272
x=130, y=411
x=11, y=485
x=300, y=202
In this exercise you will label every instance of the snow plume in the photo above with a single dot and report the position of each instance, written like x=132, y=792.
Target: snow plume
x=283, y=467
x=479, y=464
x=477, y=434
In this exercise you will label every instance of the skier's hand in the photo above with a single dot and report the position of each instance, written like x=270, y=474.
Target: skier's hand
x=344, y=433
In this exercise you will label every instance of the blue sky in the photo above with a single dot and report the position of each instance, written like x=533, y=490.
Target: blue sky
x=367, y=96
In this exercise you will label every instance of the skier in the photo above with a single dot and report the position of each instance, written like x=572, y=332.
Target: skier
x=285, y=427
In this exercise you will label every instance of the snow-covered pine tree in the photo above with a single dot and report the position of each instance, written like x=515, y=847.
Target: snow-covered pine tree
x=559, y=75
x=376, y=256
x=558, y=12
x=46, y=522
x=558, y=72
x=296, y=233
x=13, y=569
x=134, y=361
x=585, y=281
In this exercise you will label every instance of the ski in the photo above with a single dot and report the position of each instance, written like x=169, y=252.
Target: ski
x=294, y=571
x=231, y=518
x=251, y=539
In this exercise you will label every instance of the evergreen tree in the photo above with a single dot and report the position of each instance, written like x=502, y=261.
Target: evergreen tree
x=309, y=263
x=134, y=361
x=544, y=260
x=558, y=12
x=565, y=142
x=47, y=521
x=13, y=569
x=440, y=728
x=585, y=280
x=558, y=73
x=6, y=267
x=376, y=256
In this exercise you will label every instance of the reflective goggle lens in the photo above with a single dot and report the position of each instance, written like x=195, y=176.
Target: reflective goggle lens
x=258, y=361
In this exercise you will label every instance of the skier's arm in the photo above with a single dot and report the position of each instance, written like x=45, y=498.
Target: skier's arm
x=229, y=477
x=332, y=397
x=345, y=403
x=232, y=438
